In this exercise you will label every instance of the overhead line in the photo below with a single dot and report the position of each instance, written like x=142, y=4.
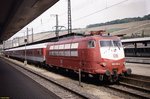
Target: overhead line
x=100, y=10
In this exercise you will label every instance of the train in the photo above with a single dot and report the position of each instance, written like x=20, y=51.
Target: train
x=100, y=56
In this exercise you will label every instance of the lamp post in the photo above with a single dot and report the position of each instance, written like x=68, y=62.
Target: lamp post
x=69, y=18
x=25, y=56
x=79, y=77
x=56, y=27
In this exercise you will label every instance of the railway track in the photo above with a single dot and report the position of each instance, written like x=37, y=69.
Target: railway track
x=77, y=94
x=137, y=80
x=134, y=85
x=72, y=92
x=130, y=90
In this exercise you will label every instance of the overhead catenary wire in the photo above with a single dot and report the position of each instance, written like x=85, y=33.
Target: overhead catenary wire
x=98, y=11
x=75, y=20
x=80, y=18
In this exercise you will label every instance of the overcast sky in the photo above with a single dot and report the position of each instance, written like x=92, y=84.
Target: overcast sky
x=85, y=12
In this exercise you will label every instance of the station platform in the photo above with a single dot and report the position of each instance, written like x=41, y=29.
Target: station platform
x=139, y=69
x=16, y=85
x=145, y=60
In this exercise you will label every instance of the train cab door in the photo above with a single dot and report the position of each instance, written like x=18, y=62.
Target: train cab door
x=87, y=54
x=82, y=56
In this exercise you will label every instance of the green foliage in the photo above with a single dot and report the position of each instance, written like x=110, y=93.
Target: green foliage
x=119, y=21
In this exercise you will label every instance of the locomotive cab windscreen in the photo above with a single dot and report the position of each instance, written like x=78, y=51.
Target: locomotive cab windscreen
x=111, y=49
x=110, y=43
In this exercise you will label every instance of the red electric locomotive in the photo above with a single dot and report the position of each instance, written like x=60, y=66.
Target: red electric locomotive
x=99, y=56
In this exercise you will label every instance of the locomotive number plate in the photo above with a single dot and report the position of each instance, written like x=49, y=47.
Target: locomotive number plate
x=115, y=55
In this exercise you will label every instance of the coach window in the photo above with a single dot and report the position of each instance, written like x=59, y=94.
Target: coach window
x=39, y=52
x=91, y=44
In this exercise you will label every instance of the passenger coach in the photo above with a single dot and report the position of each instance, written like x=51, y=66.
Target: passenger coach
x=35, y=53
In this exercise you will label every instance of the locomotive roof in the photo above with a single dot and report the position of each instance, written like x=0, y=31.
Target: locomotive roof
x=77, y=39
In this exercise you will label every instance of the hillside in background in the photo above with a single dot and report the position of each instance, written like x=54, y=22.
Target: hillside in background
x=119, y=21
x=130, y=29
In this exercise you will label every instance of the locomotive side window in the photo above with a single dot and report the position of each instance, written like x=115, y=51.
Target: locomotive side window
x=56, y=47
x=74, y=45
x=55, y=53
x=67, y=46
x=64, y=50
x=50, y=53
x=61, y=52
x=67, y=53
x=39, y=52
x=51, y=47
x=74, y=53
x=106, y=43
x=61, y=46
x=91, y=44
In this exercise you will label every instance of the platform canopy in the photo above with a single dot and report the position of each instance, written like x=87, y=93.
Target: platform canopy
x=136, y=40
x=15, y=14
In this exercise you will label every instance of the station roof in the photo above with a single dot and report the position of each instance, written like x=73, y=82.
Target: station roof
x=15, y=14
x=55, y=39
x=136, y=40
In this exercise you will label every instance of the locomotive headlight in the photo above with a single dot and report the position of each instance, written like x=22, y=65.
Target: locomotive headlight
x=103, y=64
x=107, y=73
